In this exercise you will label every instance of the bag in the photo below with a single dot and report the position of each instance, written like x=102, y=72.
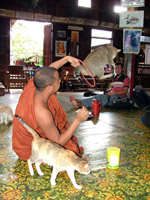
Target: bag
x=140, y=96
x=146, y=118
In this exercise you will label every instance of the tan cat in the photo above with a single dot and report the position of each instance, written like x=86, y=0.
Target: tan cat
x=96, y=61
x=6, y=115
x=46, y=151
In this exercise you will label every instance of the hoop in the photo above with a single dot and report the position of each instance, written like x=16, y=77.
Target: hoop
x=94, y=82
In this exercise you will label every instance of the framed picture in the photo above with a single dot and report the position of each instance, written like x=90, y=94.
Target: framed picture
x=74, y=36
x=131, y=19
x=131, y=40
x=60, y=48
x=61, y=34
x=133, y=3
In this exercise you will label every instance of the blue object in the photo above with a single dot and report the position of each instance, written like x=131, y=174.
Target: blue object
x=143, y=119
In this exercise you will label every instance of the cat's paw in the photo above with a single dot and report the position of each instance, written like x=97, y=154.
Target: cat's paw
x=78, y=187
x=53, y=182
x=41, y=173
x=31, y=173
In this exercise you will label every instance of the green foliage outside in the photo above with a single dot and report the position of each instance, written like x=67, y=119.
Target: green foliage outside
x=26, y=41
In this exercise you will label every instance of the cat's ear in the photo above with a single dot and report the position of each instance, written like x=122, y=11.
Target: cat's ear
x=86, y=157
x=118, y=50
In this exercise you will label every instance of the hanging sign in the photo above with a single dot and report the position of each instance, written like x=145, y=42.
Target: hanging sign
x=131, y=19
x=132, y=3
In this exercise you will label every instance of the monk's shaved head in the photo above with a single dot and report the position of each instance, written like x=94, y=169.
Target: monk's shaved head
x=44, y=77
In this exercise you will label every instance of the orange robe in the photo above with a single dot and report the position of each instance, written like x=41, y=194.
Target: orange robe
x=21, y=138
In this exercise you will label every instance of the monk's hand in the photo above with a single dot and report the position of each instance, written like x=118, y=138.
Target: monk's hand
x=73, y=61
x=83, y=114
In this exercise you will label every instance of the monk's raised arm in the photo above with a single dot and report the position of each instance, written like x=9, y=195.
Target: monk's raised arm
x=59, y=63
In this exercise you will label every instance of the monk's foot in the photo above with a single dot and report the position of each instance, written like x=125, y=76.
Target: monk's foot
x=76, y=103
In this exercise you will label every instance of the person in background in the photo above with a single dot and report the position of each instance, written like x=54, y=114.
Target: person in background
x=118, y=90
x=39, y=107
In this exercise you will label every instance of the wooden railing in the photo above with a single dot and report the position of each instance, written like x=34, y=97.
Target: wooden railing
x=69, y=82
x=142, y=75
x=15, y=77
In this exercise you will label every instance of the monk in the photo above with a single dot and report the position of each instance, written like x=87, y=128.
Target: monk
x=39, y=107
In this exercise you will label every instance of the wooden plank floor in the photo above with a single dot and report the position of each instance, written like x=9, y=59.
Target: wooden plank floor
x=119, y=128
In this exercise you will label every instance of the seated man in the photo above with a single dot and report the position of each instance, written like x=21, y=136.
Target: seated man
x=119, y=89
x=39, y=107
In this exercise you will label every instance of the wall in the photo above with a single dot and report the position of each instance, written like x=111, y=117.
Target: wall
x=4, y=47
x=118, y=39
x=84, y=42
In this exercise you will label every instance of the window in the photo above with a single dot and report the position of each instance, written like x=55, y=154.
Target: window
x=119, y=9
x=26, y=41
x=100, y=37
x=84, y=3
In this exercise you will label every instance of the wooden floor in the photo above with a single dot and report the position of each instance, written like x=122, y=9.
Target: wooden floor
x=116, y=128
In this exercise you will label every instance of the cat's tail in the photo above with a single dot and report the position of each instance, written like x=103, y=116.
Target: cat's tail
x=29, y=128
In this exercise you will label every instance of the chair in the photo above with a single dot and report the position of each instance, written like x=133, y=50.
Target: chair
x=15, y=77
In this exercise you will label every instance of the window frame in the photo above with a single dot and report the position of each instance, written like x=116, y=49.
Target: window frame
x=101, y=38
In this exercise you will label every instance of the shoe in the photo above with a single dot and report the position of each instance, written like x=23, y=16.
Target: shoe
x=88, y=94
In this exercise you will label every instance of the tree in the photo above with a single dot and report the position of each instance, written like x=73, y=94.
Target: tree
x=26, y=40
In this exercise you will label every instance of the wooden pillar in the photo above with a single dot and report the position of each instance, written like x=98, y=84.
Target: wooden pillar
x=132, y=75
x=47, y=45
x=132, y=64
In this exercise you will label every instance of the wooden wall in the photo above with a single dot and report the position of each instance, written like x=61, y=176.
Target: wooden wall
x=4, y=47
x=84, y=40
x=84, y=43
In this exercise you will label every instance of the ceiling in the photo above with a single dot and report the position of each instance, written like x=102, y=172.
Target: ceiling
x=101, y=10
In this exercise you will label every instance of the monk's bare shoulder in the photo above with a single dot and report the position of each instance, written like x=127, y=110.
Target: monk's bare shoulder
x=42, y=113
x=45, y=120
